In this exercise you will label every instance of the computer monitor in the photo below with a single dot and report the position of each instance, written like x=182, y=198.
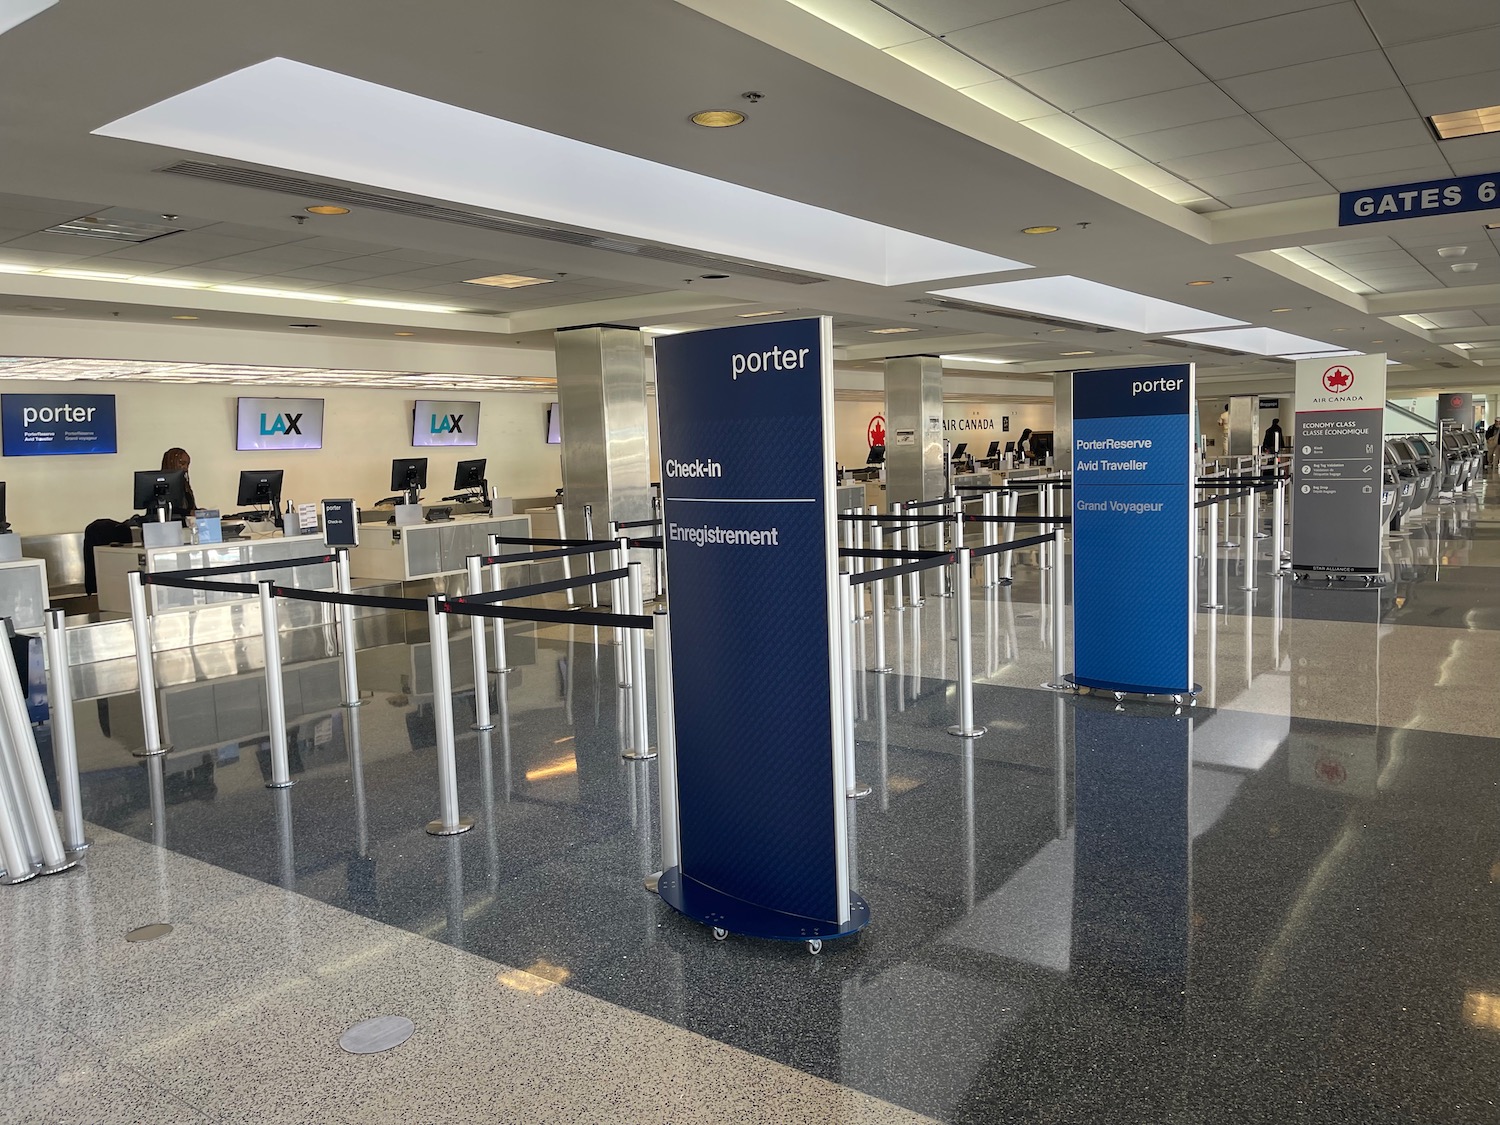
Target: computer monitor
x=408, y=473
x=260, y=487
x=1010, y=447
x=158, y=488
x=959, y=450
x=554, y=424
x=877, y=455
x=994, y=451
x=4, y=523
x=469, y=475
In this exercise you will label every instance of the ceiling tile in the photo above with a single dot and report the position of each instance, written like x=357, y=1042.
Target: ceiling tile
x=936, y=58
x=1471, y=149
x=1271, y=154
x=1111, y=78
x=1473, y=167
x=71, y=246
x=1280, y=41
x=1402, y=21
x=1005, y=97
x=1384, y=162
x=328, y=274
x=1206, y=136
x=1447, y=95
x=39, y=259
x=1064, y=129
x=1156, y=112
x=1172, y=19
x=1261, y=179
x=1366, y=138
x=1362, y=181
x=938, y=17
x=1375, y=107
x=1054, y=35
x=1471, y=52
x=1314, y=81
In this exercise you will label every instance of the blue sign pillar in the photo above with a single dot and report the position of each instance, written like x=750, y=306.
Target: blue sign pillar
x=1133, y=529
x=746, y=428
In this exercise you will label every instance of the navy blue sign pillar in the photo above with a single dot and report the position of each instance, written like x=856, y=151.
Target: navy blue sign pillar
x=1133, y=529
x=746, y=427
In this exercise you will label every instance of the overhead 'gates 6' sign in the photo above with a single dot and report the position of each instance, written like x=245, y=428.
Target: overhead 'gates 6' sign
x=1413, y=201
x=746, y=419
x=1132, y=529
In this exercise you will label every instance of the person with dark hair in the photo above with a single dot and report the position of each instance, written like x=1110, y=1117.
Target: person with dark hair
x=1023, y=447
x=176, y=460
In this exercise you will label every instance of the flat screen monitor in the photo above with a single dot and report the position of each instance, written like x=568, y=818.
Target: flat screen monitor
x=408, y=472
x=554, y=424
x=3, y=521
x=279, y=423
x=959, y=450
x=261, y=488
x=444, y=422
x=877, y=455
x=469, y=474
x=994, y=450
x=158, y=488
x=1010, y=447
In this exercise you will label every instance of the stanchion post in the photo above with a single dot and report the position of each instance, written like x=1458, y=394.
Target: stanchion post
x=281, y=774
x=636, y=643
x=588, y=533
x=502, y=666
x=1044, y=503
x=64, y=737
x=1212, y=555
x=846, y=622
x=35, y=803
x=898, y=586
x=965, y=727
x=1059, y=614
x=877, y=606
x=619, y=596
x=449, y=823
x=482, y=719
x=991, y=563
x=666, y=741
x=914, y=543
x=1278, y=527
x=562, y=533
x=1012, y=505
x=145, y=665
x=348, y=641
x=1249, y=517
x=661, y=554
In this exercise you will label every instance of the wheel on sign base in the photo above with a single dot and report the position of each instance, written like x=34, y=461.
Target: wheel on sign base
x=815, y=946
x=720, y=933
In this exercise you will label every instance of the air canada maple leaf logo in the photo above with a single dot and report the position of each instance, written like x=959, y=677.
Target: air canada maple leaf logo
x=1338, y=379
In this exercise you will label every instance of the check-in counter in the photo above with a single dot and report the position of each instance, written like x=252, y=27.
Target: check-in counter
x=429, y=550
x=112, y=564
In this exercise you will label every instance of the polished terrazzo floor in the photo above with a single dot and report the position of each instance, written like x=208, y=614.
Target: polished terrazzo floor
x=1277, y=905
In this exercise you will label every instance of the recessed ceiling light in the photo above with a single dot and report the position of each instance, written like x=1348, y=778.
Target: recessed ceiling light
x=1200, y=283
x=1464, y=267
x=1059, y=329
x=1281, y=310
x=1452, y=251
x=767, y=312
x=1038, y=230
x=1076, y=353
x=184, y=317
x=116, y=230
x=326, y=209
x=509, y=280
x=889, y=331
x=405, y=333
x=717, y=118
x=1465, y=122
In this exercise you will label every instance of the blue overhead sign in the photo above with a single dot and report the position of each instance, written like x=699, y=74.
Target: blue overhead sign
x=48, y=425
x=1132, y=529
x=1413, y=201
x=747, y=479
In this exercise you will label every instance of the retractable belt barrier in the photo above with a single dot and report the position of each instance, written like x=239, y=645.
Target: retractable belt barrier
x=187, y=582
x=1223, y=496
x=927, y=562
x=1010, y=545
x=970, y=518
x=539, y=556
x=652, y=544
x=622, y=524
x=332, y=597
x=598, y=544
x=512, y=593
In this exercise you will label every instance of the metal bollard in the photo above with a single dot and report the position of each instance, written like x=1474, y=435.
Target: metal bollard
x=914, y=543
x=588, y=533
x=846, y=622
x=1044, y=506
x=619, y=596
x=661, y=554
x=498, y=629
x=482, y=720
x=1012, y=505
x=860, y=565
x=30, y=795
x=18, y=866
x=636, y=644
x=449, y=823
x=990, y=530
x=64, y=737
x=1248, y=519
x=1278, y=530
x=348, y=642
x=900, y=587
x=562, y=533
x=281, y=774
x=1213, y=601
x=1059, y=615
x=877, y=607
x=145, y=666
x=965, y=727
x=666, y=741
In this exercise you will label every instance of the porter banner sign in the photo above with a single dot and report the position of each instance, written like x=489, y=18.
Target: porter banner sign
x=746, y=423
x=1132, y=529
x=1338, y=459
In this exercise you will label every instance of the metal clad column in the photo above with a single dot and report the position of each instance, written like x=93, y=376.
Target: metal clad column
x=601, y=386
x=914, y=464
x=1062, y=423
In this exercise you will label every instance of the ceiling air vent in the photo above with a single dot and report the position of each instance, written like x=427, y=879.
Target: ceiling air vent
x=437, y=212
x=113, y=229
x=1008, y=314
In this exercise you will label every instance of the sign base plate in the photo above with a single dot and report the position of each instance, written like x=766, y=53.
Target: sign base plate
x=702, y=903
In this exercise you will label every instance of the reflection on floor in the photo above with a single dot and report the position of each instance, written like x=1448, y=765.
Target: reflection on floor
x=1276, y=905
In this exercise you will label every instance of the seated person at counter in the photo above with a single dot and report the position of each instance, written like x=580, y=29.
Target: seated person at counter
x=107, y=532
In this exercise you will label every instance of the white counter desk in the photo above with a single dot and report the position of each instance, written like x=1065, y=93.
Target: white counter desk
x=429, y=550
x=112, y=564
